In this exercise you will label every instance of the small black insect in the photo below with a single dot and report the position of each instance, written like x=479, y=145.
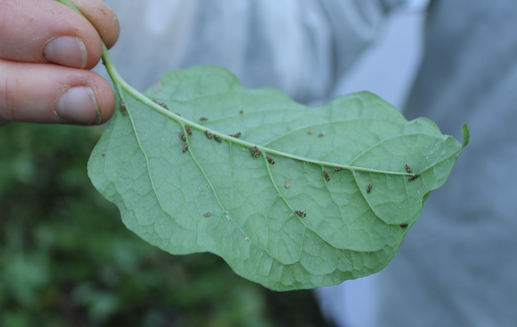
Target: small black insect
x=326, y=173
x=185, y=147
x=271, y=161
x=183, y=137
x=369, y=188
x=102, y=154
x=207, y=214
x=122, y=107
x=408, y=169
x=235, y=135
x=415, y=176
x=321, y=134
x=208, y=134
x=254, y=151
x=300, y=213
x=217, y=138
x=177, y=114
x=403, y=225
x=103, y=62
x=337, y=169
x=240, y=112
x=203, y=119
x=189, y=131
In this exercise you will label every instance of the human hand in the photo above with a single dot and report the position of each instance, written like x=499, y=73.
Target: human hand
x=46, y=53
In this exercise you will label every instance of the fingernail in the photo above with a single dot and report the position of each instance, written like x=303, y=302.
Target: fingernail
x=66, y=50
x=78, y=105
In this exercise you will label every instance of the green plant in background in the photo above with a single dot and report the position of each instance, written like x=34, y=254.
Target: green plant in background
x=66, y=260
x=291, y=197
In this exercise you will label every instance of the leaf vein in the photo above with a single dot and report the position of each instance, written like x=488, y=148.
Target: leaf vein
x=193, y=156
x=326, y=123
x=128, y=111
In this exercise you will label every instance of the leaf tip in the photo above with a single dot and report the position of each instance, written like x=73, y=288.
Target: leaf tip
x=466, y=134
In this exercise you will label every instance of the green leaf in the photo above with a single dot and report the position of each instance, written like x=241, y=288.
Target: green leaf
x=347, y=232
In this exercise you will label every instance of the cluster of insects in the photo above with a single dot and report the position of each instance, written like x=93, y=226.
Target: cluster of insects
x=207, y=133
x=300, y=213
x=410, y=171
x=184, y=138
x=255, y=152
x=163, y=105
x=369, y=188
x=311, y=131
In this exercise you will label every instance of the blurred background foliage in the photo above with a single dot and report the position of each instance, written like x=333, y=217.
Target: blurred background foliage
x=66, y=259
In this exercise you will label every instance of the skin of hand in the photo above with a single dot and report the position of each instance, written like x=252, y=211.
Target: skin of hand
x=46, y=53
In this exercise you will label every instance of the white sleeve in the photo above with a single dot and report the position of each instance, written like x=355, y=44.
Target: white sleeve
x=301, y=47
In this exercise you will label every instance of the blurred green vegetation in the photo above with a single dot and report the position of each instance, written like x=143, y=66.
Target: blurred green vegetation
x=66, y=259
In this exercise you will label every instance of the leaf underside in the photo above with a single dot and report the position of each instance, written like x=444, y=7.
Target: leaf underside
x=218, y=197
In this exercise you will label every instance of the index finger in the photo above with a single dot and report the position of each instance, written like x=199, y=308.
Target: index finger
x=102, y=18
x=28, y=26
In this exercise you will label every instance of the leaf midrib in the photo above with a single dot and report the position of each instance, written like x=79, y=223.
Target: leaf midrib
x=283, y=154
x=146, y=101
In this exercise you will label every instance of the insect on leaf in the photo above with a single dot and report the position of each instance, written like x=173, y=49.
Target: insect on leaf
x=286, y=226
